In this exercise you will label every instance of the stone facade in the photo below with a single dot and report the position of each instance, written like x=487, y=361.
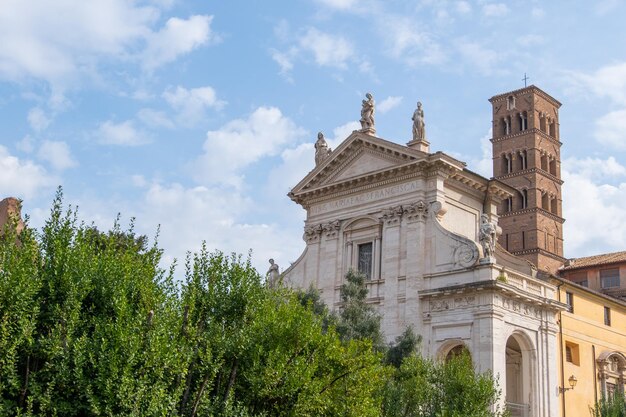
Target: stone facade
x=411, y=221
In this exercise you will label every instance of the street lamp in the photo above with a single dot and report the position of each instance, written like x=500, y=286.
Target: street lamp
x=572, y=383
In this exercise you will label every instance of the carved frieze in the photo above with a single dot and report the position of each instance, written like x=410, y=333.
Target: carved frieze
x=439, y=305
x=520, y=307
x=465, y=301
x=443, y=304
x=416, y=211
x=392, y=216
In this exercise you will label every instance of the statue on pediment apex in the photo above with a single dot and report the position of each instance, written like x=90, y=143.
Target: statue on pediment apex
x=367, y=114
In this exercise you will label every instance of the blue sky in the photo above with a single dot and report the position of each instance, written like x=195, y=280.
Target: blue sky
x=201, y=115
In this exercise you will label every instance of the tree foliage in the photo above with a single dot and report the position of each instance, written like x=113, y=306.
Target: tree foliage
x=91, y=325
x=613, y=405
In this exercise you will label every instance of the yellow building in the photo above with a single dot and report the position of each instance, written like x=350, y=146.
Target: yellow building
x=592, y=347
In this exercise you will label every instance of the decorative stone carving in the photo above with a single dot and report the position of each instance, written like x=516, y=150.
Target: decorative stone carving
x=466, y=255
x=416, y=211
x=419, y=126
x=487, y=239
x=367, y=114
x=312, y=233
x=439, y=305
x=331, y=230
x=272, y=275
x=392, y=216
x=465, y=301
x=322, y=151
x=521, y=307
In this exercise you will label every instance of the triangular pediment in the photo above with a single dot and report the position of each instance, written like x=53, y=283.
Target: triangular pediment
x=363, y=162
x=357, y=156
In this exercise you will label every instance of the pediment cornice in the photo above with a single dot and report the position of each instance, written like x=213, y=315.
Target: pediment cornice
x=326, y=179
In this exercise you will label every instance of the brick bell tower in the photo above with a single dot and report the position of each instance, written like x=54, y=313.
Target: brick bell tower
x=527, y=157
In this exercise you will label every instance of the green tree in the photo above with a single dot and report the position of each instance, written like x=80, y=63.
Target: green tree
x=266, y=351
x=610, y=406
x=357, y=319
x=426, y=388
x=92, y=319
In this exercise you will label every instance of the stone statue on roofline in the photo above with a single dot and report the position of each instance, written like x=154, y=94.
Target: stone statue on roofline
x=367, y=114
x=322, y=151
x=419, y=125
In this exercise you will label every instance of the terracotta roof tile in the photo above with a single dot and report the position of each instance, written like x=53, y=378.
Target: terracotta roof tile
x=589, y=261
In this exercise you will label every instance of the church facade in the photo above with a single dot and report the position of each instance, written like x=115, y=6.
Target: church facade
x=425, y=230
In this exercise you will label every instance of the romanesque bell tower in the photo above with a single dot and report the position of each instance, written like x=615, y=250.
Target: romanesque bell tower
x=527, y=157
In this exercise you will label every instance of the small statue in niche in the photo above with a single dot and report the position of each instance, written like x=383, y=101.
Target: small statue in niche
x=419, y=125
x=487, y=236
x=322, y=151
x=272, y=275
x=367, y=114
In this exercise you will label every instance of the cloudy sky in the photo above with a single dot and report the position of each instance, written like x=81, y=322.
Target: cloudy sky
x=201, y=115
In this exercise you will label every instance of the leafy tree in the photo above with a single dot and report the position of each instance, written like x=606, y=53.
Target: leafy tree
x=357, y=319
x=405, y=345
x=263, y=350
x=610, y=406
x=426, y=388
x=90, y=325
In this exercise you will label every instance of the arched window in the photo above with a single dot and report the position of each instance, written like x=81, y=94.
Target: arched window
x=553, y=166
x=523, y=154
x=524, y=198
x=510, y=102
x=544, y=162
x=545, y=201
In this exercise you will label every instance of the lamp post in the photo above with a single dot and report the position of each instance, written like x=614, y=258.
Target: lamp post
x=572, y=383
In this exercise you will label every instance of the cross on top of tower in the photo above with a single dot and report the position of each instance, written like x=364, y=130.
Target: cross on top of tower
x=525, y=79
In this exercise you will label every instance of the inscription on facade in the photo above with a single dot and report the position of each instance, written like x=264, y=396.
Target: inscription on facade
x=374, y=195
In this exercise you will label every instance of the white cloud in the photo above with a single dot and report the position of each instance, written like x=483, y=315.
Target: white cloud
x=537, y=12
x=67, y=42
x=611, y=129
x=601, y=211
x=56, y=154
x=608, y=81
x=25, y=145
x=606, y=6
x=37, y=119
x=408, y=43
x=328, y=50
x=339, y=4
x=154, y=118
x=179, y=36
x=241, y=142
x=192, y=103
x=120, y=134
x=463, y=7
x=482, y=58
x=595, y=168
x=284, y=60
x=55, y=41
x=389, y=103
x=495, y=9
x=530, y=40
x=22, y=178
